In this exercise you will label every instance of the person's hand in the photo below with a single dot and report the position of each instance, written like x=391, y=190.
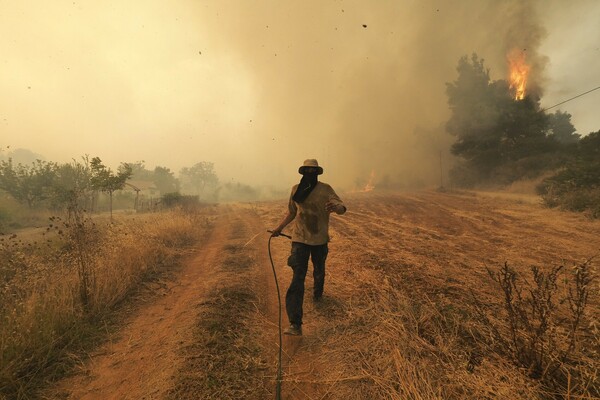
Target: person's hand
x=334, y=207
x=276, y=232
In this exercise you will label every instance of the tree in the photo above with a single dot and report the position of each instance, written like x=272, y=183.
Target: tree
x=139, y=171
x=198, y=177
x=589, y=147
x=103, y=179
x=28, y=184
x=577, y=186
x=473, y=101
x=165, y=180
x=561, y=128
x=72, y=185
x=499, y=138
x=522, y=128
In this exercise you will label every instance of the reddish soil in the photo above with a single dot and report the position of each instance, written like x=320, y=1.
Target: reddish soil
x=139, y=362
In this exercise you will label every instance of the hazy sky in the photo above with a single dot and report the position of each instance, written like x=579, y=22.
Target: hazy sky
x=258, y=86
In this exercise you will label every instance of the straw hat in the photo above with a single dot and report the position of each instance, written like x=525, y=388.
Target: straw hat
x=312, y=163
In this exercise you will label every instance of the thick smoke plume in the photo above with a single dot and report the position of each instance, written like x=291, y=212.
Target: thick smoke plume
x=361, y=86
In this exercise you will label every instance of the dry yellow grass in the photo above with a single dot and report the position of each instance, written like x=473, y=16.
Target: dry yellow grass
x=44, y=324
x=401, y=317
x=399, y=320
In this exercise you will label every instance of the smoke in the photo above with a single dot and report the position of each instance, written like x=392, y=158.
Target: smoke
x=361, y=86
x=255, y=87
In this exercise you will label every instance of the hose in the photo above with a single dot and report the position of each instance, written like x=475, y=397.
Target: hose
x=278, y=387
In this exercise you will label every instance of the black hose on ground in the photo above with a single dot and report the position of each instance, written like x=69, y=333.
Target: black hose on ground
x=278, y=387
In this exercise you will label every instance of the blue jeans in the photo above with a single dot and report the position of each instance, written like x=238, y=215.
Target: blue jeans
x=298, y=260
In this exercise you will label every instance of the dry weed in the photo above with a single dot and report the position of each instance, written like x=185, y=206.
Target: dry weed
x=545, y=328
x=55, y=298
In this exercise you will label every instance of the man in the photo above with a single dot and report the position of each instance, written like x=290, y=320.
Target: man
x=309, y=207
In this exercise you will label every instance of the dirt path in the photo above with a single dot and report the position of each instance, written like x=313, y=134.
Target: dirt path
x=140, y=363
x=154, y=353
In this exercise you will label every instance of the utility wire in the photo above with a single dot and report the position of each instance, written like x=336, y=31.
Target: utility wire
x=572, y=98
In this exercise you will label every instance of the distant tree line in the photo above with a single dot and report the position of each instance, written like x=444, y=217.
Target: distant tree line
x=71, y=185
x=500, y=140
x=46, y=184
x=199, y=180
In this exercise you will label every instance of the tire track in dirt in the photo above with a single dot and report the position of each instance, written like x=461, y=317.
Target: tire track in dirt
x=141, y=361
x=224, y=358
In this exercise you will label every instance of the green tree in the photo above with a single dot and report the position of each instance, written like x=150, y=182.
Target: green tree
x=576, y=187
x=139, y=171
x=28, y=184
x=165, y=180
x=72, y=186
x=561, y=128
x=198, y=177
x=521, y=128
x=589, y=148
x=104, y=180
x=473, y=100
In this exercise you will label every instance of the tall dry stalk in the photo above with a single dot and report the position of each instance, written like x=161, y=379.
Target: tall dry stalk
x=57, y=293
x=539, y=332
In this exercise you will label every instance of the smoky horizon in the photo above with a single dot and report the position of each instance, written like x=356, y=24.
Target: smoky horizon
x=257, y=88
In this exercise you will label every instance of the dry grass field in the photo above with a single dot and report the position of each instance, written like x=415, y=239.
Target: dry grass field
x=46, y=324
x=410, y=310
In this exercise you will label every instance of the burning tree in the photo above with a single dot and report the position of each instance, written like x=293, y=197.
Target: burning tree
x=518, y=73
x=501, y=133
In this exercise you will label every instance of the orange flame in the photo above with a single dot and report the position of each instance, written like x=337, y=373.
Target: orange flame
x=518, y=72
x=370, y=185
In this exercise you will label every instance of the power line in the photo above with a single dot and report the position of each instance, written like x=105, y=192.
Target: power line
x=572, y=98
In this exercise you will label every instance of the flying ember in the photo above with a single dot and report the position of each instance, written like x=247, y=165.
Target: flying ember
x=518, y=72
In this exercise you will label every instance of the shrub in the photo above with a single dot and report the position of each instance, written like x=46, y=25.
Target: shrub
x=541, y=330
x=527, y=168
x=56, y=292
x=577, y=186
x=176, y=199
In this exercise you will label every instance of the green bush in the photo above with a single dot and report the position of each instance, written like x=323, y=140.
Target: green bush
x=577, y=186
x=176, y=199
x=527, y=168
